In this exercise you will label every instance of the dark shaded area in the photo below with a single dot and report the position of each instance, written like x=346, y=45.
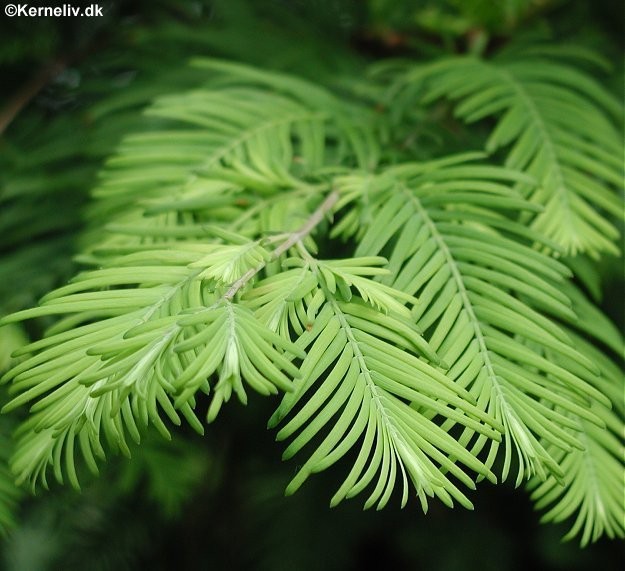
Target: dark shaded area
x=237, y=518
x=250, y=525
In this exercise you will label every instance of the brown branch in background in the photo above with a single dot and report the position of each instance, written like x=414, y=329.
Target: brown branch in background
x=29, y=90
x=46, y=74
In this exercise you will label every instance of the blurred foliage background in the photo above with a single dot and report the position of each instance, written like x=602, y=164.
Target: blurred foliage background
x=71, y=89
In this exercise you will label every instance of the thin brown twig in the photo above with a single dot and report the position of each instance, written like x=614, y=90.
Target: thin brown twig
x=316, y=217
x=28, y=91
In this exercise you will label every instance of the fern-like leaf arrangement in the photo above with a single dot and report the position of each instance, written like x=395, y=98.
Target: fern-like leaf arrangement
x=413, y=316
x=555, y=122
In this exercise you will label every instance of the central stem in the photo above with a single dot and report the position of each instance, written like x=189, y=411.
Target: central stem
x=294, y=238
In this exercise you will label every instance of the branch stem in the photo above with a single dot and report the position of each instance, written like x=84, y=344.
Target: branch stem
x=293, y=239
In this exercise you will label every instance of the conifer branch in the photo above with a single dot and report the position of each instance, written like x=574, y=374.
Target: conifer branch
x=438, y=335
x=317, y=216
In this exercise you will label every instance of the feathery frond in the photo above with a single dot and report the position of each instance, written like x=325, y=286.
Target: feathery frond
x=359, y=364
x=593, y=488
x=482, y=291
x=557, y=124
x=122, y=353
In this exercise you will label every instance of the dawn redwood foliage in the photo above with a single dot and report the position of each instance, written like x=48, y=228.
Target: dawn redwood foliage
x=260, y=233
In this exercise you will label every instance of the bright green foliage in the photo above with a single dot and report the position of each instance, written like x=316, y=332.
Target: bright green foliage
x=481, y=294
x=557, y=123
x=593, y=475
x=264, y=234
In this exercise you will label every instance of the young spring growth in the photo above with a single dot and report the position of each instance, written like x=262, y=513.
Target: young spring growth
x=228, y=263
x=229, y=380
